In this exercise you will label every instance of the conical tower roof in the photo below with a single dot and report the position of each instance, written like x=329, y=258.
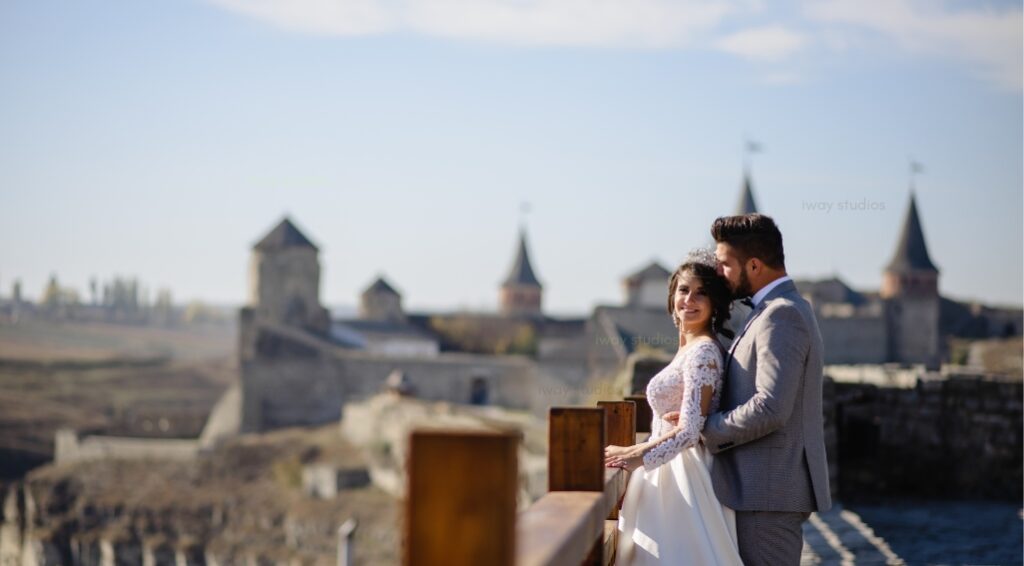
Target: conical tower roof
x=746, y=204
x=284, y=235
x=381, y=286
x=911, y=251
x=522, y=271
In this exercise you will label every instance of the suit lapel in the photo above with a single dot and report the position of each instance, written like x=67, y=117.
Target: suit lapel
x=750, y=320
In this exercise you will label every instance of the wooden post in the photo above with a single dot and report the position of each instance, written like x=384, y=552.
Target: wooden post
x=620, y=430
x=576, y=441
x=643, y=413
x=461, y=498
x=620, y=422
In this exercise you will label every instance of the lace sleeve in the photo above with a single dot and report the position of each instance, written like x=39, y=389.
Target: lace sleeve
x=703, y=368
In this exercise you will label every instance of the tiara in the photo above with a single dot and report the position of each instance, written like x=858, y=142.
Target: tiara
x=705, y=256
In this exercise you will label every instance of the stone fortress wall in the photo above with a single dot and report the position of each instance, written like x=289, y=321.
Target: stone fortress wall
x=941, y=436
x=68, y=447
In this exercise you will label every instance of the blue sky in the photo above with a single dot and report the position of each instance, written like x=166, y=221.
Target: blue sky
x=161, y=140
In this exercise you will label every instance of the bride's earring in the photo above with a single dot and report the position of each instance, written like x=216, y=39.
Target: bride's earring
x=675, y=319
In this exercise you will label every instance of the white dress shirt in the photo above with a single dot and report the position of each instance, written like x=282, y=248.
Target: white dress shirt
x=760, y=295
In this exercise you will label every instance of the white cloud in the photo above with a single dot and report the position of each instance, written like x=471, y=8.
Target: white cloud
x=325, y=17
x=772, y=43
x=629, y=23
x=985, y=38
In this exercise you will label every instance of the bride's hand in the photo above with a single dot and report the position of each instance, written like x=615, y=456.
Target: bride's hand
x=628, y=464
x=612, y=451
x=629, y=457
x=671, y=417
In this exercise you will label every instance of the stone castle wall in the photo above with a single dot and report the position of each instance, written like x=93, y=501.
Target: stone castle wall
x=307, y=380
x=68, y=447
x=854, y=339
x=951, y=437
x=914, y=330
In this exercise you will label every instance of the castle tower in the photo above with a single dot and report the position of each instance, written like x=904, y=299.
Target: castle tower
x=648, y=287
x=380, y=301
x=746, y=204
x=910, y=286
x=521, y=292
x=284, y=279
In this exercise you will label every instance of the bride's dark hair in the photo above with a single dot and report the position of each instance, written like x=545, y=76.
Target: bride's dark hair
x=716, y=288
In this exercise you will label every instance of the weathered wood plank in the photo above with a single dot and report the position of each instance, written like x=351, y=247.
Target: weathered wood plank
x=620, y=430
x=560, y=528
x=544, y=529
x=643, y=412
x=620, y=422
x=615, y=481
x=611, y=541
x=461, y=498
x=576, y=441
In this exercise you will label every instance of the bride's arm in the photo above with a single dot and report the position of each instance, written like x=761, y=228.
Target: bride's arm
x=684, y=435
x=617, y=456
x=699, y=379
x=706, y=392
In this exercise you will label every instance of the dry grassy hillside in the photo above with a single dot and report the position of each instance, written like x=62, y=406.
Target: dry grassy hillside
x=54, y=342
x=124, y=380
x=243, y=501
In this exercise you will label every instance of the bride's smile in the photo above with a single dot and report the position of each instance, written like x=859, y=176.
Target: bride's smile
x=692, y=305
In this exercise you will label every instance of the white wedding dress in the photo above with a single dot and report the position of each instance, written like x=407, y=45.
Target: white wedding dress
x=670, y=514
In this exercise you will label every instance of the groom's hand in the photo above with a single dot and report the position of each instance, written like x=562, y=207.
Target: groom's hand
x=671, y=417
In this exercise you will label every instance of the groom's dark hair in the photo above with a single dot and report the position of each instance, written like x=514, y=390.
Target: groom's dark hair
x=751, y=235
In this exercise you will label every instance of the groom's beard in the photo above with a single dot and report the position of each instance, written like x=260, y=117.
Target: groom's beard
x=743, y=289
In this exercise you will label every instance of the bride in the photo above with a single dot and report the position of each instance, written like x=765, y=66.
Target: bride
x=670, y=514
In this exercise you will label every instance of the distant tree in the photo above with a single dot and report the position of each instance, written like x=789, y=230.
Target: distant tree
x=523, y=341
x=197, y=312
x=485, y=334
x=57, y=301
x=133, y=294
x=163, y=307
x=69, y=298
x=50, y=301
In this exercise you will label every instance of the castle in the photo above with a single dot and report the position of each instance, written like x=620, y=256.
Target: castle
x=899, y=323
x=298, y=365
x=905, y=322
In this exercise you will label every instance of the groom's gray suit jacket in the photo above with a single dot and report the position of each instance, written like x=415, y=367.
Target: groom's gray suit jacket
x=768, y=437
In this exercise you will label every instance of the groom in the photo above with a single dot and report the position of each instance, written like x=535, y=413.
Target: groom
x=768, y=438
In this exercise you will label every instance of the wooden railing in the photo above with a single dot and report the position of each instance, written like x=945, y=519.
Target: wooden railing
x=462, y=487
